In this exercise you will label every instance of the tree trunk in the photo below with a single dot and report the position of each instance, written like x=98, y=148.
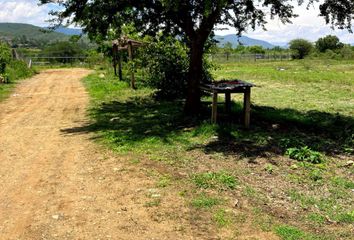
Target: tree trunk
x=193, y=103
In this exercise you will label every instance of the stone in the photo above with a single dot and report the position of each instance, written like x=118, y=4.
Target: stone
x=56, y=216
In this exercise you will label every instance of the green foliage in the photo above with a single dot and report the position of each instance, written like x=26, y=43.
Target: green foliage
x=221, y=218
x=18, y=70
x=220, y=180
x=167, y=66
x=63, y=49
x=204, y=201
x=300, y=48
x=328, y=42
x=346, y=217
x=342, y=182
x=256, y=50
x=292, y=233
x=5, y=57
x=304, y=154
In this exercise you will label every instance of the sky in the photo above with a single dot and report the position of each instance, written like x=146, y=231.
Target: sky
x=308, y=25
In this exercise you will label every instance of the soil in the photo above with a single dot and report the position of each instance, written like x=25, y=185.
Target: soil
x=56, y=183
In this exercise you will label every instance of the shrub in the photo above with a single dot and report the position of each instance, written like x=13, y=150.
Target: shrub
x=304, y=154
x=328, y=43
x=5, y=57
x=300, y=48
x=167, y=63
x=17, y=70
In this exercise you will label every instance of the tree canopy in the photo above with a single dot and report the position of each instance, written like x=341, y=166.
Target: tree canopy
x=328, y=42
x=191, y=20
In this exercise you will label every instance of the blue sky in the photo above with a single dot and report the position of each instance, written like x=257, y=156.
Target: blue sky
x=308, y=25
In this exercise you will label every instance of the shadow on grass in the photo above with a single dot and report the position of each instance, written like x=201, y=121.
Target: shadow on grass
x=273, y=130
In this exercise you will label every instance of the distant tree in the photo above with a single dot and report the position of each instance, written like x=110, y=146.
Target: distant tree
x=256, y=49
x=300, y=48
x=227, y=50
x=192, y=21
x=328, y=42
x=64, y=50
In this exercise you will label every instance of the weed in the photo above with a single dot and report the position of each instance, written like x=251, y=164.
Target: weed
x=164, y=181
x=269, y=168
x=291, y=233
x=153, y=203
x=316, y=218
x=341, y=182
x=316, y=175
x=345, y=217
x=304, y=154
x=222, y=218
x=220, y=180
x=204, y=201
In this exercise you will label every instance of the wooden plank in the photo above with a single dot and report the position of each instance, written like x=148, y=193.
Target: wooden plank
x=247, y=107
x=214, y=109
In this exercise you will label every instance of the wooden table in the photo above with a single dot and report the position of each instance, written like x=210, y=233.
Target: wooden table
x=227, y=87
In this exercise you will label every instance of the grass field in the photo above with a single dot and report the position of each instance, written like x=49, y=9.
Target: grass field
x=289, y=175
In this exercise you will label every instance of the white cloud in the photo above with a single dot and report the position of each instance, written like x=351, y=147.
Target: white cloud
x=308, y=25
x=24, y=11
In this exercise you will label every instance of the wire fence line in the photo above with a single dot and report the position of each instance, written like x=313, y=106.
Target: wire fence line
x=241, y=57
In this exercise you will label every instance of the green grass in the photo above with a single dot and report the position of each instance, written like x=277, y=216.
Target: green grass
x=301, y=106
x=222, y=218
x=306, y=85
x=218, y=180
x=292, y=233
x=204, y=201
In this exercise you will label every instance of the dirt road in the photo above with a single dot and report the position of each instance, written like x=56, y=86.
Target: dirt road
x=57, y=184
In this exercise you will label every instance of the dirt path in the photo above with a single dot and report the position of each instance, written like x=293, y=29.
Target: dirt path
x=59, y=185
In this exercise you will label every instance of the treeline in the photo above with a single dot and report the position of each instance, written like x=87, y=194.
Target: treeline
x=328, y=47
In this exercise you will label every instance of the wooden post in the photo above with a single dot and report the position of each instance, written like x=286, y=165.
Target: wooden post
x=130, y=52
x=228, y=102
x=214, y=109
x=247, y=107
x=120, y=74
x=115, y=52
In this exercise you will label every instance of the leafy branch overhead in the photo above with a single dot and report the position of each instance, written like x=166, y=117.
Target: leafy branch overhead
x=190, y=18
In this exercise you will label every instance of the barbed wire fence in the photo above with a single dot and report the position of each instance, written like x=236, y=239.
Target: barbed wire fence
x=249, y=57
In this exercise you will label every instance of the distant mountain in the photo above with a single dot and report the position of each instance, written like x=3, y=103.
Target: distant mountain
x=21, y=30
x=246, y=41
x=69, y=31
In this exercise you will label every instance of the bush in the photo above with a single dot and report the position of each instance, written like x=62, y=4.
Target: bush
x=5, y=57
x=167, y=63
x=300, y=48
x=304, y=154
x=18, y=70
x=328, y=43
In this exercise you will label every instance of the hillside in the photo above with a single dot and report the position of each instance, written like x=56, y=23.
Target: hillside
x=232, y=38
x=26, y=34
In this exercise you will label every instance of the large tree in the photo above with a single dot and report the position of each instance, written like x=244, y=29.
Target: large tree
x=193, y=20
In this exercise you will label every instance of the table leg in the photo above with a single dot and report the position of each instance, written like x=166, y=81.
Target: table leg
x=247, y=107
x=228, y=103
x=214, y=109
